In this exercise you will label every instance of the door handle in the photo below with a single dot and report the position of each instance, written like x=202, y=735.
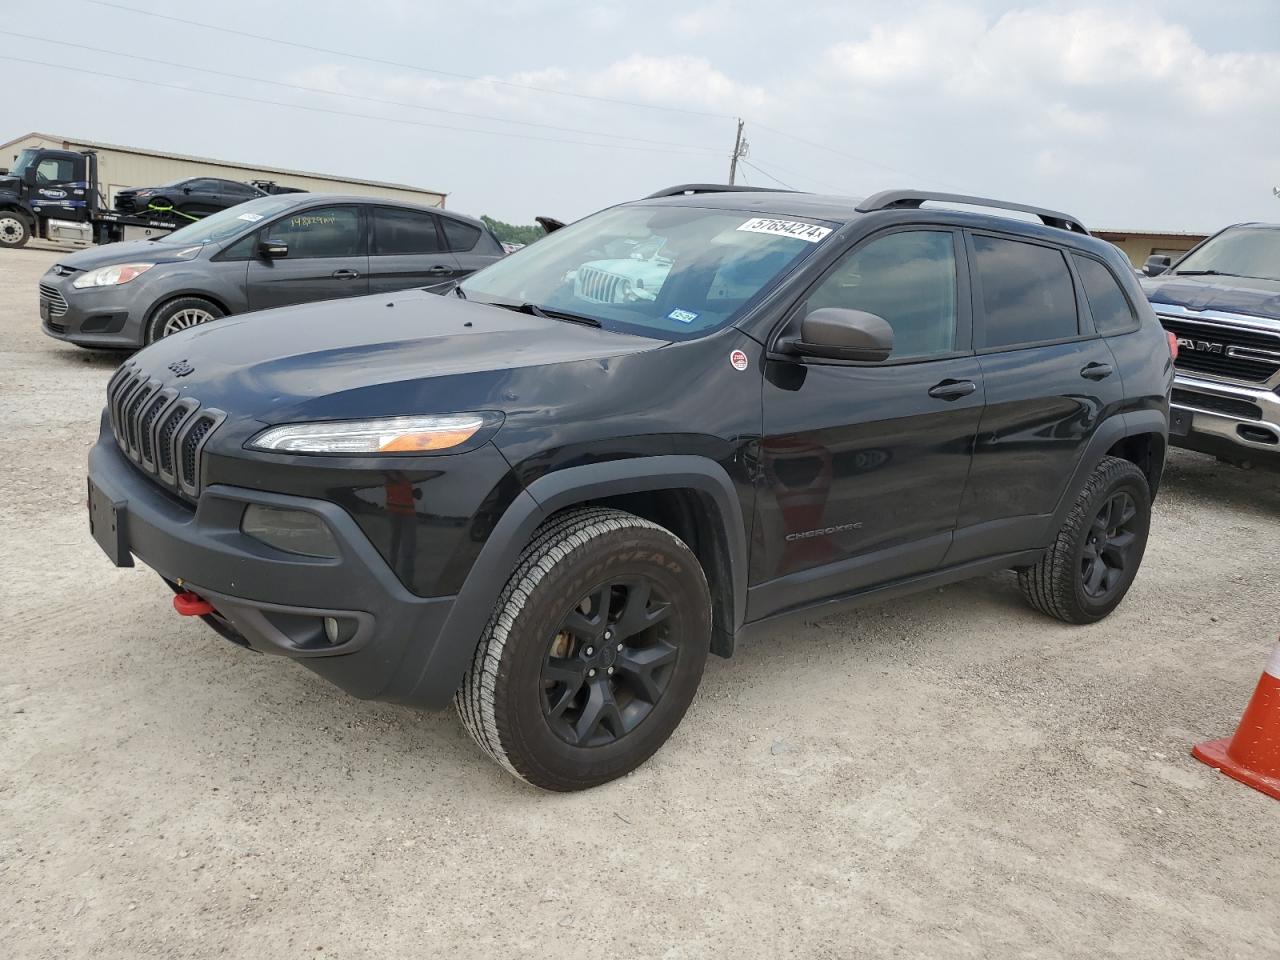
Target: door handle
x=1096, y=371
x=345, y=274
x=952, y=389
x=439, y=268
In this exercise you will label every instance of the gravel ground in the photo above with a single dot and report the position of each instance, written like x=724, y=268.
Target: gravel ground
x=949, y=776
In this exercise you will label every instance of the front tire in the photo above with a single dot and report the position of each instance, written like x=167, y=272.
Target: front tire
x=181, y=314
x=1092, y=562
x=14, y=230
x=594, y=651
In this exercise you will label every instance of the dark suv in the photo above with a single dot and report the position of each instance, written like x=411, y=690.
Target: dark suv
x=549, y=494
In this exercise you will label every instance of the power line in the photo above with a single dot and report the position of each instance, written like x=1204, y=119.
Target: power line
x=399, y=64
x=690, y=151
x=852, y=156
x=748, y=163
x=350, y=96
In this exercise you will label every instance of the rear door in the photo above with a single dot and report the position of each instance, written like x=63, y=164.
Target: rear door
x=407, y=250
x=864, y=463
x=473, y=247
x=1050, y=381
x=328, y=258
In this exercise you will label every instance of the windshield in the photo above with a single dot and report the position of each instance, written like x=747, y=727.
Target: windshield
x=674, y=272
x=230, y=223
x=1239, y=252
x=24, y=160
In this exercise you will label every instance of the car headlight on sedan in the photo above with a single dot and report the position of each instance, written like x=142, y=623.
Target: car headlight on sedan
x=111, y=276
x=387, y=435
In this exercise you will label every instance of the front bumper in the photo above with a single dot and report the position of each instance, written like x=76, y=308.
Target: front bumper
x=276, y=601
x=1225, y=419
x=97, y=317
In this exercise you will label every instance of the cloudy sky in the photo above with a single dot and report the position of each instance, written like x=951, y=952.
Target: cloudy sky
x=1124, y=116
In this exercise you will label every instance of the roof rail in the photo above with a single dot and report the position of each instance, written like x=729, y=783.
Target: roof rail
x=689, y=189
x=897, y=199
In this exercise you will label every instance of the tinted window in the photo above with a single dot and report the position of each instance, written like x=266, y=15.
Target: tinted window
x=320, y=232
x=1027, y=293
x=242, y=249
x=909, y=279
x=400, y=232
x=1107, y=302
x=461, y=236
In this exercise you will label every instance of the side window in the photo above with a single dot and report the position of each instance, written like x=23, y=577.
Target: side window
x=909, y=279
x=1111, y=310
x=243, y=248
x=55, y=170
x=461, y=236
x=1027, y=293
x=400, y=232
x=320, y=232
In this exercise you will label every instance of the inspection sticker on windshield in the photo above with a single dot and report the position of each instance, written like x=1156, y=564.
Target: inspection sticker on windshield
x=251, y=217
x=683, y=316
x=808, y=232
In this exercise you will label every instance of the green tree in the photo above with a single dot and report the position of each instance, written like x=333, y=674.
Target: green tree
x=512, y=232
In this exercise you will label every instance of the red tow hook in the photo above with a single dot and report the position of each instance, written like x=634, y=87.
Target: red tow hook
x=191, y=604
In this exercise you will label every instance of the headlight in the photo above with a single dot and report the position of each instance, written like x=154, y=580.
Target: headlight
x=143, y=193
x=111, y=276
x=387, y=435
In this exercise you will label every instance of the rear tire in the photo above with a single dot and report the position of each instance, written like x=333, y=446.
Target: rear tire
x=14, y=230
x=1092, y=562
x=594, y=652
x=181, y=314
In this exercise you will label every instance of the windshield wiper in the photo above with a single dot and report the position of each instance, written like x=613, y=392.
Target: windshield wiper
x=1203, y=273
x=533, y=310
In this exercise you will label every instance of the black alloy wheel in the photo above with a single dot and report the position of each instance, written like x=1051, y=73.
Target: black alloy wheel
x=1107, y=546
x=609, y=663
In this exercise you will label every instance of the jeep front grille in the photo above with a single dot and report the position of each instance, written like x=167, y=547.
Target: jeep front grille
x=1233, y=353
x=600, y=285
x=159, y=430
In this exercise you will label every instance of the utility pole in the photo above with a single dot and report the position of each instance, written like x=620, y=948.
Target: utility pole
x=739, y=150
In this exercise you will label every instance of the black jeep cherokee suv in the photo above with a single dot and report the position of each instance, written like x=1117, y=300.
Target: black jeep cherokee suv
x=548, y=496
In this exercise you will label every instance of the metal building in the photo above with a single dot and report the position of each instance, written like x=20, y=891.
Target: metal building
x=120, y=167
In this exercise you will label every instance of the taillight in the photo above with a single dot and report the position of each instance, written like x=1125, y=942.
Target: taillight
x=1173, y=345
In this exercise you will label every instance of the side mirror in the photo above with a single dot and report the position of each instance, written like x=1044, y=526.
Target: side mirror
x=836, y=333
x=186, y=190
x=1156, y=265
x=272, y=249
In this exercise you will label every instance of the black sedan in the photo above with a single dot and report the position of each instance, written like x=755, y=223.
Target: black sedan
x=191, y=197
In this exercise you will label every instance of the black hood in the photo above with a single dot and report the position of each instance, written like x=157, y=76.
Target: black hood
x=10, y=184
x=369, y=356
x=1244, y=295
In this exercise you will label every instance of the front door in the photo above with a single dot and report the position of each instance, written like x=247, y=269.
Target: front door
x=864, y=463
x=408, y=251
x=1050, y=381
x=327, y=258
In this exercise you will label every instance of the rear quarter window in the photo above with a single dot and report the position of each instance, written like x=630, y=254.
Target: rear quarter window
x=1112, y=312
x=1027, y=293
x=461, y=237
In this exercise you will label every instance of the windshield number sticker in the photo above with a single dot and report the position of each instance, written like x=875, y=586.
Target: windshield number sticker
x=251, y=217
x=738, y=359
x=808, y=232
x=682, y=316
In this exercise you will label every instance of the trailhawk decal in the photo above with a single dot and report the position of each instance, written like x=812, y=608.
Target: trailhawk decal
x=796, y=229
x=738, y=359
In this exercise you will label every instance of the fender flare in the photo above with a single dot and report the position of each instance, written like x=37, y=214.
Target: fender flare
x=441, y=673
x=1110, y=432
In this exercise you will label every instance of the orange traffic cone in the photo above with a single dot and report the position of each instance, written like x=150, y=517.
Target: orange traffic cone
x=1252, y=756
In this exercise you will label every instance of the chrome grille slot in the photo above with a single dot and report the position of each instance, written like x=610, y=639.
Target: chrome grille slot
x=53, y=297
x=162, y=433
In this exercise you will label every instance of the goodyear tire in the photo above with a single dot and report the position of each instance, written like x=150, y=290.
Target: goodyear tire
x=594, y=651
x=1091, y=564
